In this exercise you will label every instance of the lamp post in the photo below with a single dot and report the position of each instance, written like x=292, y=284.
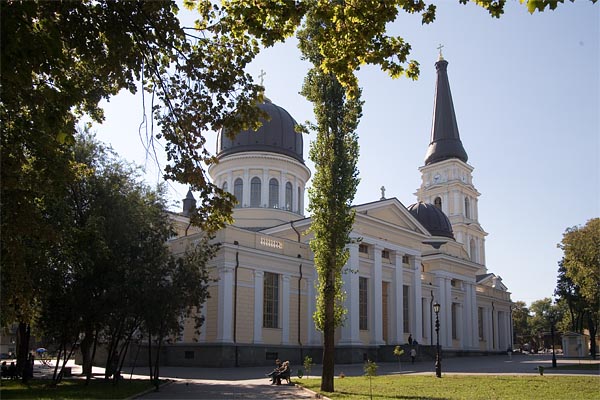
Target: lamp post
x=552, y=335
x=438, y=361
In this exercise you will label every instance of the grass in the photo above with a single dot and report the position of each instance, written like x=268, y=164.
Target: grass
x=72, y=389
x=462, y=387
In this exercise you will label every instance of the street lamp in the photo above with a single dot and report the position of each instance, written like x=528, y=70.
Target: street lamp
x=438, y=360
x=552, y=335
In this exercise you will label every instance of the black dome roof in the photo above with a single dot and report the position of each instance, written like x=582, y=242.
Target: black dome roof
x=432, y=218
x=276, y=136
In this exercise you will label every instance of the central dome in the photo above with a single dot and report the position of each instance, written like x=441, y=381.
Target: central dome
x=432, y=218
x=278, y=135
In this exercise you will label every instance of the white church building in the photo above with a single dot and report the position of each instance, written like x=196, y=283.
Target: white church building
x=407, y=259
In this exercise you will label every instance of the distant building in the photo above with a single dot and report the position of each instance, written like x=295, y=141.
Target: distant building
x=261, y=306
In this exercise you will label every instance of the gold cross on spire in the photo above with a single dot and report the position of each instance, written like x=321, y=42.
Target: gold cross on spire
x=441, y=57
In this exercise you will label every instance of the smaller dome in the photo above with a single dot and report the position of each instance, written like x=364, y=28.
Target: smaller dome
x=432, y=218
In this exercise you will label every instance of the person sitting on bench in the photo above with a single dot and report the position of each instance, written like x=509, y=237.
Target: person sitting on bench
x=284, y=373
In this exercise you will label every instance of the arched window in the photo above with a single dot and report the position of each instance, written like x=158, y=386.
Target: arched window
x=467, y=208
x=273, y=193
x=472, y=248
x=255, y=192
x=225, y=186
x=438, y=202
x=238, y=191
x=299, y=203
x=288, y=196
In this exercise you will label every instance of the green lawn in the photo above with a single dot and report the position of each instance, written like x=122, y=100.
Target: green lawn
x=462, y=387
x=72, y=389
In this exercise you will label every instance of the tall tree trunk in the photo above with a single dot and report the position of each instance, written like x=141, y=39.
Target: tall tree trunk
x=593, y=330
x=329, y=342
x=86, y=353
x=23, y=337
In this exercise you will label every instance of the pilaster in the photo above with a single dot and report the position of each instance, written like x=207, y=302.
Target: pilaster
x=258, y=305
x=350, y=329
x=225, y=303
x=285, y=309
x=418, y=303
x=377, y=303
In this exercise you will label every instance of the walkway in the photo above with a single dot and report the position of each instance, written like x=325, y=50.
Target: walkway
x=251, y=383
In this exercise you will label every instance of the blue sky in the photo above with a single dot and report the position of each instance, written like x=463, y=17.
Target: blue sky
x=526, y=91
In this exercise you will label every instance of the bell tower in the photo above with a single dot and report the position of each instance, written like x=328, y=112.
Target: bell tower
x=446, y=178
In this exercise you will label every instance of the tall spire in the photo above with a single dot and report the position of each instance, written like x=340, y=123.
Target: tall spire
x=445, y=141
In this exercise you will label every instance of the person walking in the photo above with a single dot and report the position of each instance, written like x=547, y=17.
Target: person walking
x=413, y=355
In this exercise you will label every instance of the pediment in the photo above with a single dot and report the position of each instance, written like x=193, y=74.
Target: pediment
x=390, y=212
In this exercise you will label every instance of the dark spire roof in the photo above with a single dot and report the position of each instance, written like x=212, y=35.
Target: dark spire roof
x=445, y=140
x=188, y=203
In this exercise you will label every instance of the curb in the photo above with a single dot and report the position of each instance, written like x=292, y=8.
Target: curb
x=150, y=390
x=312, y=393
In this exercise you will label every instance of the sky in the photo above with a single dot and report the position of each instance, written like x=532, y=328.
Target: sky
x=526, y=91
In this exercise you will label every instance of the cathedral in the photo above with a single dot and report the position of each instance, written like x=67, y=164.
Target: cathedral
x=403, y=261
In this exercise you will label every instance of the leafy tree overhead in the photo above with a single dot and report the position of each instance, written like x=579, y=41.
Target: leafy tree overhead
x=60, y=59
x=579, y=274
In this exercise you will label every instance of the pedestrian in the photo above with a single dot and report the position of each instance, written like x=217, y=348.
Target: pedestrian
x=275, y=371
x=410, y=339
x=413, y=355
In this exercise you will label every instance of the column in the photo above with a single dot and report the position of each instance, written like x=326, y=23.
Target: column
x=398, y=299
x=230, y=181
x=285, y=309
x=225, y=305
x=448, y=312
x=264, y=189
x=258, y=305
x=350, y=329
x=281, y=204
x=418, y=303
x=468, y=316
x=377, y=302
x=474, y=317
x=295, y=200
x=246, y=188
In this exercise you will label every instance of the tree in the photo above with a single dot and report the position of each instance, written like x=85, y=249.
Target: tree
x=335, y=154
x=65, y=57
x=581, y=277
x=520, y=317
x=111, y=274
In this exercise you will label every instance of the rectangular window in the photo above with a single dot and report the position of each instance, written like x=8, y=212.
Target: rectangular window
x=404, y=259
x=385, y=254
x=405, y=308
x=454, y=321
x=480, y=322
x=363, y=248
x=363, y=310
x=271, y=300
